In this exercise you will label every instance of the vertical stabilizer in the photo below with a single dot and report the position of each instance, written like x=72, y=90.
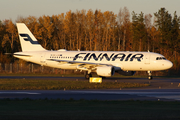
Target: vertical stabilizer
x=27, y=39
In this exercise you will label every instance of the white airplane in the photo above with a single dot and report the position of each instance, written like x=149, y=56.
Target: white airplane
x=104, y=63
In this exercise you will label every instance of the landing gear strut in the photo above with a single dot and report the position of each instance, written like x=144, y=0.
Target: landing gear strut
x=87, y=76
x=150, y=75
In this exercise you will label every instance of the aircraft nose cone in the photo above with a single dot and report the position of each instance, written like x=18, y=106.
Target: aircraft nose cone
x=168, y=65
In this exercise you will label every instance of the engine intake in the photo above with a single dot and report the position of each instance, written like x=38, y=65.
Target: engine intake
x=126, y=73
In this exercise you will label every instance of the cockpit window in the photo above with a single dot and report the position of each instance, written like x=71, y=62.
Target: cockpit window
x=160, y=58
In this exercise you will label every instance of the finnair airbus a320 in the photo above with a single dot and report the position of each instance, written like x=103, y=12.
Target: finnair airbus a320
x=104, y=63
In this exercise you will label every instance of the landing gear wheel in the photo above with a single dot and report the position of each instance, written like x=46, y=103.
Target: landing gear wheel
x=87, y=76
x=150, y=77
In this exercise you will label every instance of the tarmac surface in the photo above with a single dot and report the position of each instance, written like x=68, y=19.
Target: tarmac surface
x=160, y=89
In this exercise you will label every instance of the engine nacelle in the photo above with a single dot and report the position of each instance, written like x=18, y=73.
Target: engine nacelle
x=126, y=73
x=105, y=71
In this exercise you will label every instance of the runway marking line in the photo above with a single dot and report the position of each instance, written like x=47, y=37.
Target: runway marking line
x=166, y=95
x=19, y=93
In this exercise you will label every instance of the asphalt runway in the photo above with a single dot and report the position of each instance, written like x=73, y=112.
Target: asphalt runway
x=160, y=89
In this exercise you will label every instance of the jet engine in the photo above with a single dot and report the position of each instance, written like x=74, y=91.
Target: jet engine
x=105, y=71
x=126, y=73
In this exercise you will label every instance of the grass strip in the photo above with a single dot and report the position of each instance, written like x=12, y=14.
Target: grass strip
x=88, y=109
x=47, y=84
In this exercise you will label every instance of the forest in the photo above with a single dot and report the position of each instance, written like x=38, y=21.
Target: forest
x=99, y=31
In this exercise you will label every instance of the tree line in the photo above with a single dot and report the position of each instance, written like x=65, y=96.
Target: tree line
x=99, y=31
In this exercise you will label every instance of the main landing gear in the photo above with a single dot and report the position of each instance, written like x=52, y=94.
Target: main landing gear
x=150, y=75
x=87, y=76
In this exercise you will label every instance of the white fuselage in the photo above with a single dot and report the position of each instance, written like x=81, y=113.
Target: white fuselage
x=104, y=63
x=126, y=61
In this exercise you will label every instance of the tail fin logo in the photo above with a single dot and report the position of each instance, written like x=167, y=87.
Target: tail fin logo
x=26, y=37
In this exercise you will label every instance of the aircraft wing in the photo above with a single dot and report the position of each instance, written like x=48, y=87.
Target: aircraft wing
x=81, y=64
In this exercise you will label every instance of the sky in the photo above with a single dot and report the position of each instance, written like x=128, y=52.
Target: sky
x=12, y=9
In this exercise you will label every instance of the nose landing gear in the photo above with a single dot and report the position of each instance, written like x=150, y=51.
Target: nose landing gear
x=150, y=75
